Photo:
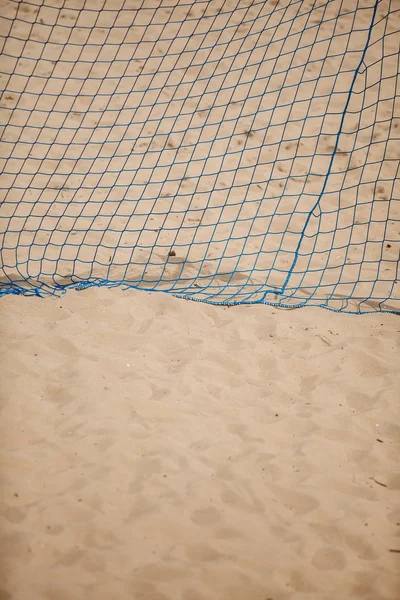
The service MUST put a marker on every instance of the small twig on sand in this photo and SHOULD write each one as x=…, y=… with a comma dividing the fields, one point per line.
x=378, y=482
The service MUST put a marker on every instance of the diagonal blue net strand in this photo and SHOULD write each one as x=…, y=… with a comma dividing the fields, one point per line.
x=225, y=151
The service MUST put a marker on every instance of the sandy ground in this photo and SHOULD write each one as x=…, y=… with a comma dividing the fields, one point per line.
x=159, y=449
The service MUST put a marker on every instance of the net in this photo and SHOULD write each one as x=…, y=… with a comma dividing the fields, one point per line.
x=229, y=151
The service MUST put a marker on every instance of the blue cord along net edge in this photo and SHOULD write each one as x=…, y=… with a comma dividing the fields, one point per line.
x=59, y=291
x=292, y=103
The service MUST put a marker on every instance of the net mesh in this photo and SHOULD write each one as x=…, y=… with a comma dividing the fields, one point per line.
x=229, y=151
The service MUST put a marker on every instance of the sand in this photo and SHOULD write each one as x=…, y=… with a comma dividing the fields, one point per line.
x=159, y=449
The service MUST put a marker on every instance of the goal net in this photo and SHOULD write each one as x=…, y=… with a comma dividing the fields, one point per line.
x=229, y=151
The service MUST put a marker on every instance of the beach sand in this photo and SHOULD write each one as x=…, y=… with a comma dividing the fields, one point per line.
x=159, y=449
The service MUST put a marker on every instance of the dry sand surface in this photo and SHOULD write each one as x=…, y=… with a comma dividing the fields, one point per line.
x=157, y=449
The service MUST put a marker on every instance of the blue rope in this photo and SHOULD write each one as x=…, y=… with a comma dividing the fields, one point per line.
x=230, y=152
